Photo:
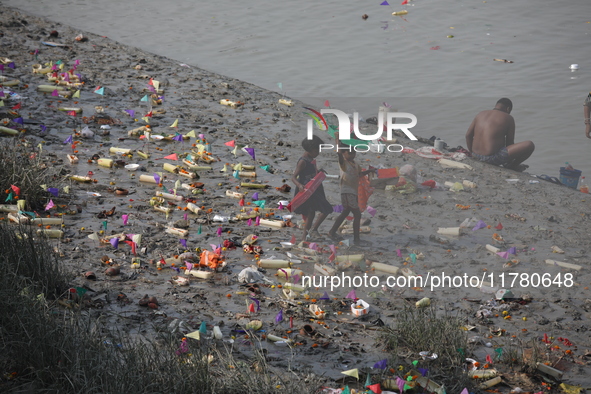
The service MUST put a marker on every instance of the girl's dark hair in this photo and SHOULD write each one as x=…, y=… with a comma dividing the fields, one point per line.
x=313, y=144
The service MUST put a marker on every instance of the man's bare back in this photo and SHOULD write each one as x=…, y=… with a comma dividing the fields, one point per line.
x=491, y=138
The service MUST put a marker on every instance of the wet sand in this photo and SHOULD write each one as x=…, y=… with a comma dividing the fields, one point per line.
x=534, y=216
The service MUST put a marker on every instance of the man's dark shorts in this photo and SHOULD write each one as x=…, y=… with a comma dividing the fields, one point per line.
x=499, y=158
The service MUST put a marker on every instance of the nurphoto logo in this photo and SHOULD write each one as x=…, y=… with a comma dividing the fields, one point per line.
x=344, y=128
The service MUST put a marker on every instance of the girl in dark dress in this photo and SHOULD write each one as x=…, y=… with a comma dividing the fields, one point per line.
x=304, y=172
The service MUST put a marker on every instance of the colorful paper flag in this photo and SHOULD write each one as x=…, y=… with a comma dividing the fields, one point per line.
x=231, y=144
x=69, y=140
x=279, y=317
x=352, y=295
x=49, y=205
x=191, y=134
x=76, y=94
x=175, y=123
x=382, y=364
x=53, y=190
x=250, y=151
x=178, y=137
x=17, y=190
x=171, y=157
x=354, y=373
x=479, y=225
x=100, y=90
x=145, y=98
x=115, y=242
x=183, y=242
x=125, y=218
x=385, y=3
x=18, y=106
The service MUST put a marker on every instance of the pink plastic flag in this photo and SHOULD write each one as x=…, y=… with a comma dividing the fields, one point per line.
x=499, y=226
x=332, y=248
x=352, y=295
x=213, y=247
x=371, y=211
x=231, y=144
x=125, y=218
x=398, y=252
x=185, y=216
x=55, y=93
x=173, y=156
x=504, y=255
x=400, y=383
x=249, y=223
x=313, y=246
x=489, y=359
x=189, y=266
x=257, y=222
x=465, y=391
x=49, y=205
x=327, y=104
x=219, y=232
x=201, y=136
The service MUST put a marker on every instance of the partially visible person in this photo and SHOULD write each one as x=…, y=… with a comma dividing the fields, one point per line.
x=304, y=172
x=587, y=112
x=491, y=138
x=350, y=174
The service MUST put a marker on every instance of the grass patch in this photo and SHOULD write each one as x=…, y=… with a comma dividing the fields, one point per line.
x=49, y=349
x=421, y=329
x=23, y=167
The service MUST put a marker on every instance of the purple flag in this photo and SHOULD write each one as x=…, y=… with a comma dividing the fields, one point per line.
x=325, y=296
x=152, y=89
x=18, y=120
x=131, y=112
x=54, y=190
x=423, y=371
x=250, y=151
x=183, y=242
x=385, y=3
x=12, y=65
x=279, y=317
x=157, y=178
x=178, y=137
x=67, y=77
x=114, y=242
x=382, y=364
x=479, y=225
x=1, y=67
x=338, y=208
x=43, y=128
x=512, y=250
x=69, y=140
x=255, y=196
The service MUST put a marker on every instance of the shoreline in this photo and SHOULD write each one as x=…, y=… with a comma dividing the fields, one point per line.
x=554, y=215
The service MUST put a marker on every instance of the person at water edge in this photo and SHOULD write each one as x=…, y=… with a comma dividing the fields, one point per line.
x=587, y=113
x=491, y=138
x=317, y=202
x=350, y=174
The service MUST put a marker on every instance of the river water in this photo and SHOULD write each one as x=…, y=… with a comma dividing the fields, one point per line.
x=435, y=62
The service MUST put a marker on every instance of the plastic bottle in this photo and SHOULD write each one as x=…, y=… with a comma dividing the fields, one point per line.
x=583, y=187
